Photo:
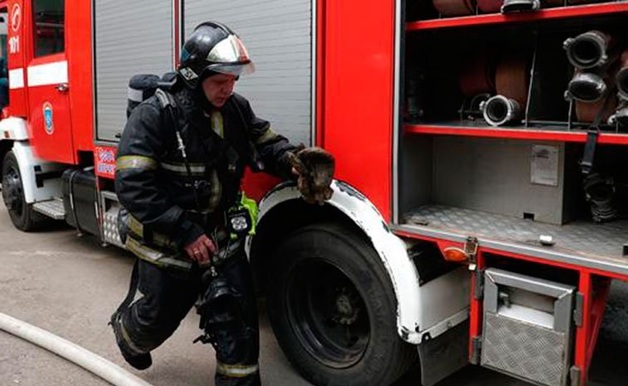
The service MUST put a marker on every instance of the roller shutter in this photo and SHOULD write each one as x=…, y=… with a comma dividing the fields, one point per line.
x=131, y=37
x=278, y=36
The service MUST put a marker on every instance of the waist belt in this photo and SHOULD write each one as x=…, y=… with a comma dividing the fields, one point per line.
x=207, y=220
x=161, y=250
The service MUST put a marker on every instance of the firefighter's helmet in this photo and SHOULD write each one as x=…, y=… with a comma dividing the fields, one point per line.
x=213, y=48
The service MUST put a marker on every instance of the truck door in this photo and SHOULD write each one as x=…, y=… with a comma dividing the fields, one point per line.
x=4, y=72
x=47, y=82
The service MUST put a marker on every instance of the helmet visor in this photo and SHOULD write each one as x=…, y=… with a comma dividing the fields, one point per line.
x=230, y=57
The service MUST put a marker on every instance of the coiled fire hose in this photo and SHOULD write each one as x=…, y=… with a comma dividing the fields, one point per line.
x=599, y=193
x=511, y=85
x=494, y=6
x=477, y=75
x=467, y=7
x=621, y=82
x=454, y=7
x=99, y=366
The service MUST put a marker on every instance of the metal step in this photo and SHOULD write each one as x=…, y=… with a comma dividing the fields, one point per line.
x=51, y=208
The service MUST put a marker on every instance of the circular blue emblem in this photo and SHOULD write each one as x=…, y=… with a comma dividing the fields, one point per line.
x=48, y=118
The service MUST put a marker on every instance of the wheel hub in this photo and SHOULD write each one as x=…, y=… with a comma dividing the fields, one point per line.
x=11, y=190
x=334, y=323
x=346, y=309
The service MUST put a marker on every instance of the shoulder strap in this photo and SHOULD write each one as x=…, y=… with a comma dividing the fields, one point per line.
x=168, y=102
x=165, y=98
x=256, y=163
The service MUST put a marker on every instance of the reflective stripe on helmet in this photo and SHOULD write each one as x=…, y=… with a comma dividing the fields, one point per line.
x=213, y=48
x=236, y=371
x=135, y=162
x=230, y=50
x=229, y=56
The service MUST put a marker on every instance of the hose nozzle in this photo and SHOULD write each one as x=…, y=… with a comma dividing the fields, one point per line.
x=511, y=6
x=499, y=110
x=586, y=87
x=588, y=50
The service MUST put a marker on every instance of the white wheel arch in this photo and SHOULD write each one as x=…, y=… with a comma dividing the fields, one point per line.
x=16, y=129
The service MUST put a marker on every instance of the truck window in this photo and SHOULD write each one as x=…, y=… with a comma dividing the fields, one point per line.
x=4, y=75
x=48, y=17
x=3, y=32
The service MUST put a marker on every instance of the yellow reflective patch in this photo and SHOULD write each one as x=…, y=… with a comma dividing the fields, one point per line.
x=135, y=162
x=268, y=135
x=196, y=169
x=153, y=256
x=160, y=240
x=136, y=227
x=236, y=371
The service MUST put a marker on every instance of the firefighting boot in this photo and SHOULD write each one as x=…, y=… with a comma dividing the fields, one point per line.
x=138, y=360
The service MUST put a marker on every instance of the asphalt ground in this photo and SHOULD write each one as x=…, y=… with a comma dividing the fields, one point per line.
x=69, y=286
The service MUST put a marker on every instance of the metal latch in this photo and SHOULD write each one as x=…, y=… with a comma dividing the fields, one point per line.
x=578, y=312
x=62, y=87
x=471, y=249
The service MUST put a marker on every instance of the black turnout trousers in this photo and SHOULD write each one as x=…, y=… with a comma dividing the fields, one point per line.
x=160, y=298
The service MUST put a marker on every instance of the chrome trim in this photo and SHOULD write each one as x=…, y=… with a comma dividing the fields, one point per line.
x=400, y=29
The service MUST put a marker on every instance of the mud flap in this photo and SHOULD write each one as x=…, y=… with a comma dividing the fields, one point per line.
x=444, y=355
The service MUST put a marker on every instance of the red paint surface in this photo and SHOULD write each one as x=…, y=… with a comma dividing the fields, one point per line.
x=357, y=101
x=524, y=134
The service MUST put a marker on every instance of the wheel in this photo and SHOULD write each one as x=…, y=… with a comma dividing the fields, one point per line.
x=22, y=215
x=333, y=310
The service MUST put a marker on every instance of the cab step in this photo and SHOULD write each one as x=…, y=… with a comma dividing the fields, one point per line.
x=51, y=208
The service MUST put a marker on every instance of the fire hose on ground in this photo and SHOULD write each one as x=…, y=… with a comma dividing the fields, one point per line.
x=97, y=365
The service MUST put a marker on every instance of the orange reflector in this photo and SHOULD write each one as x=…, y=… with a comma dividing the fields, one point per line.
x=455, y=254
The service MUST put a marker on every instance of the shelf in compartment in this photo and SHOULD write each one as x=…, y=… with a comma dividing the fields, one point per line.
x=543, y=14
x=548, y=133
x=578, y=243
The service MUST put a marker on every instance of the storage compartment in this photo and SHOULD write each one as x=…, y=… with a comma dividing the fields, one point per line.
x=524, y=179
x=512, y=77
x=516, y=182
x=79, y=200
x=527, y=328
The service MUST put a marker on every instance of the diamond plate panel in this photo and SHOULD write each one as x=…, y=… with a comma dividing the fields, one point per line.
x=577, y=238
x=111, y=234
x=531, y=352
x=51, y=208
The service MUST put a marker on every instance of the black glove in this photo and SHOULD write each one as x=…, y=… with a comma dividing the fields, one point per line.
x=315, y=168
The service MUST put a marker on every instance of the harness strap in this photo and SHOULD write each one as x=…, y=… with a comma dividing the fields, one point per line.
x=586, y=164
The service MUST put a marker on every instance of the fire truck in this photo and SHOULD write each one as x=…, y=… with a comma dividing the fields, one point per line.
x=478, y=207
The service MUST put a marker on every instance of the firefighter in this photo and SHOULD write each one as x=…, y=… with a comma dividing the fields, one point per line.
x=179, y=164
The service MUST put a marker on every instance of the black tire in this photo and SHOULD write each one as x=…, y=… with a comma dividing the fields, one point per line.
x=333, y=310
x=22, y=214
